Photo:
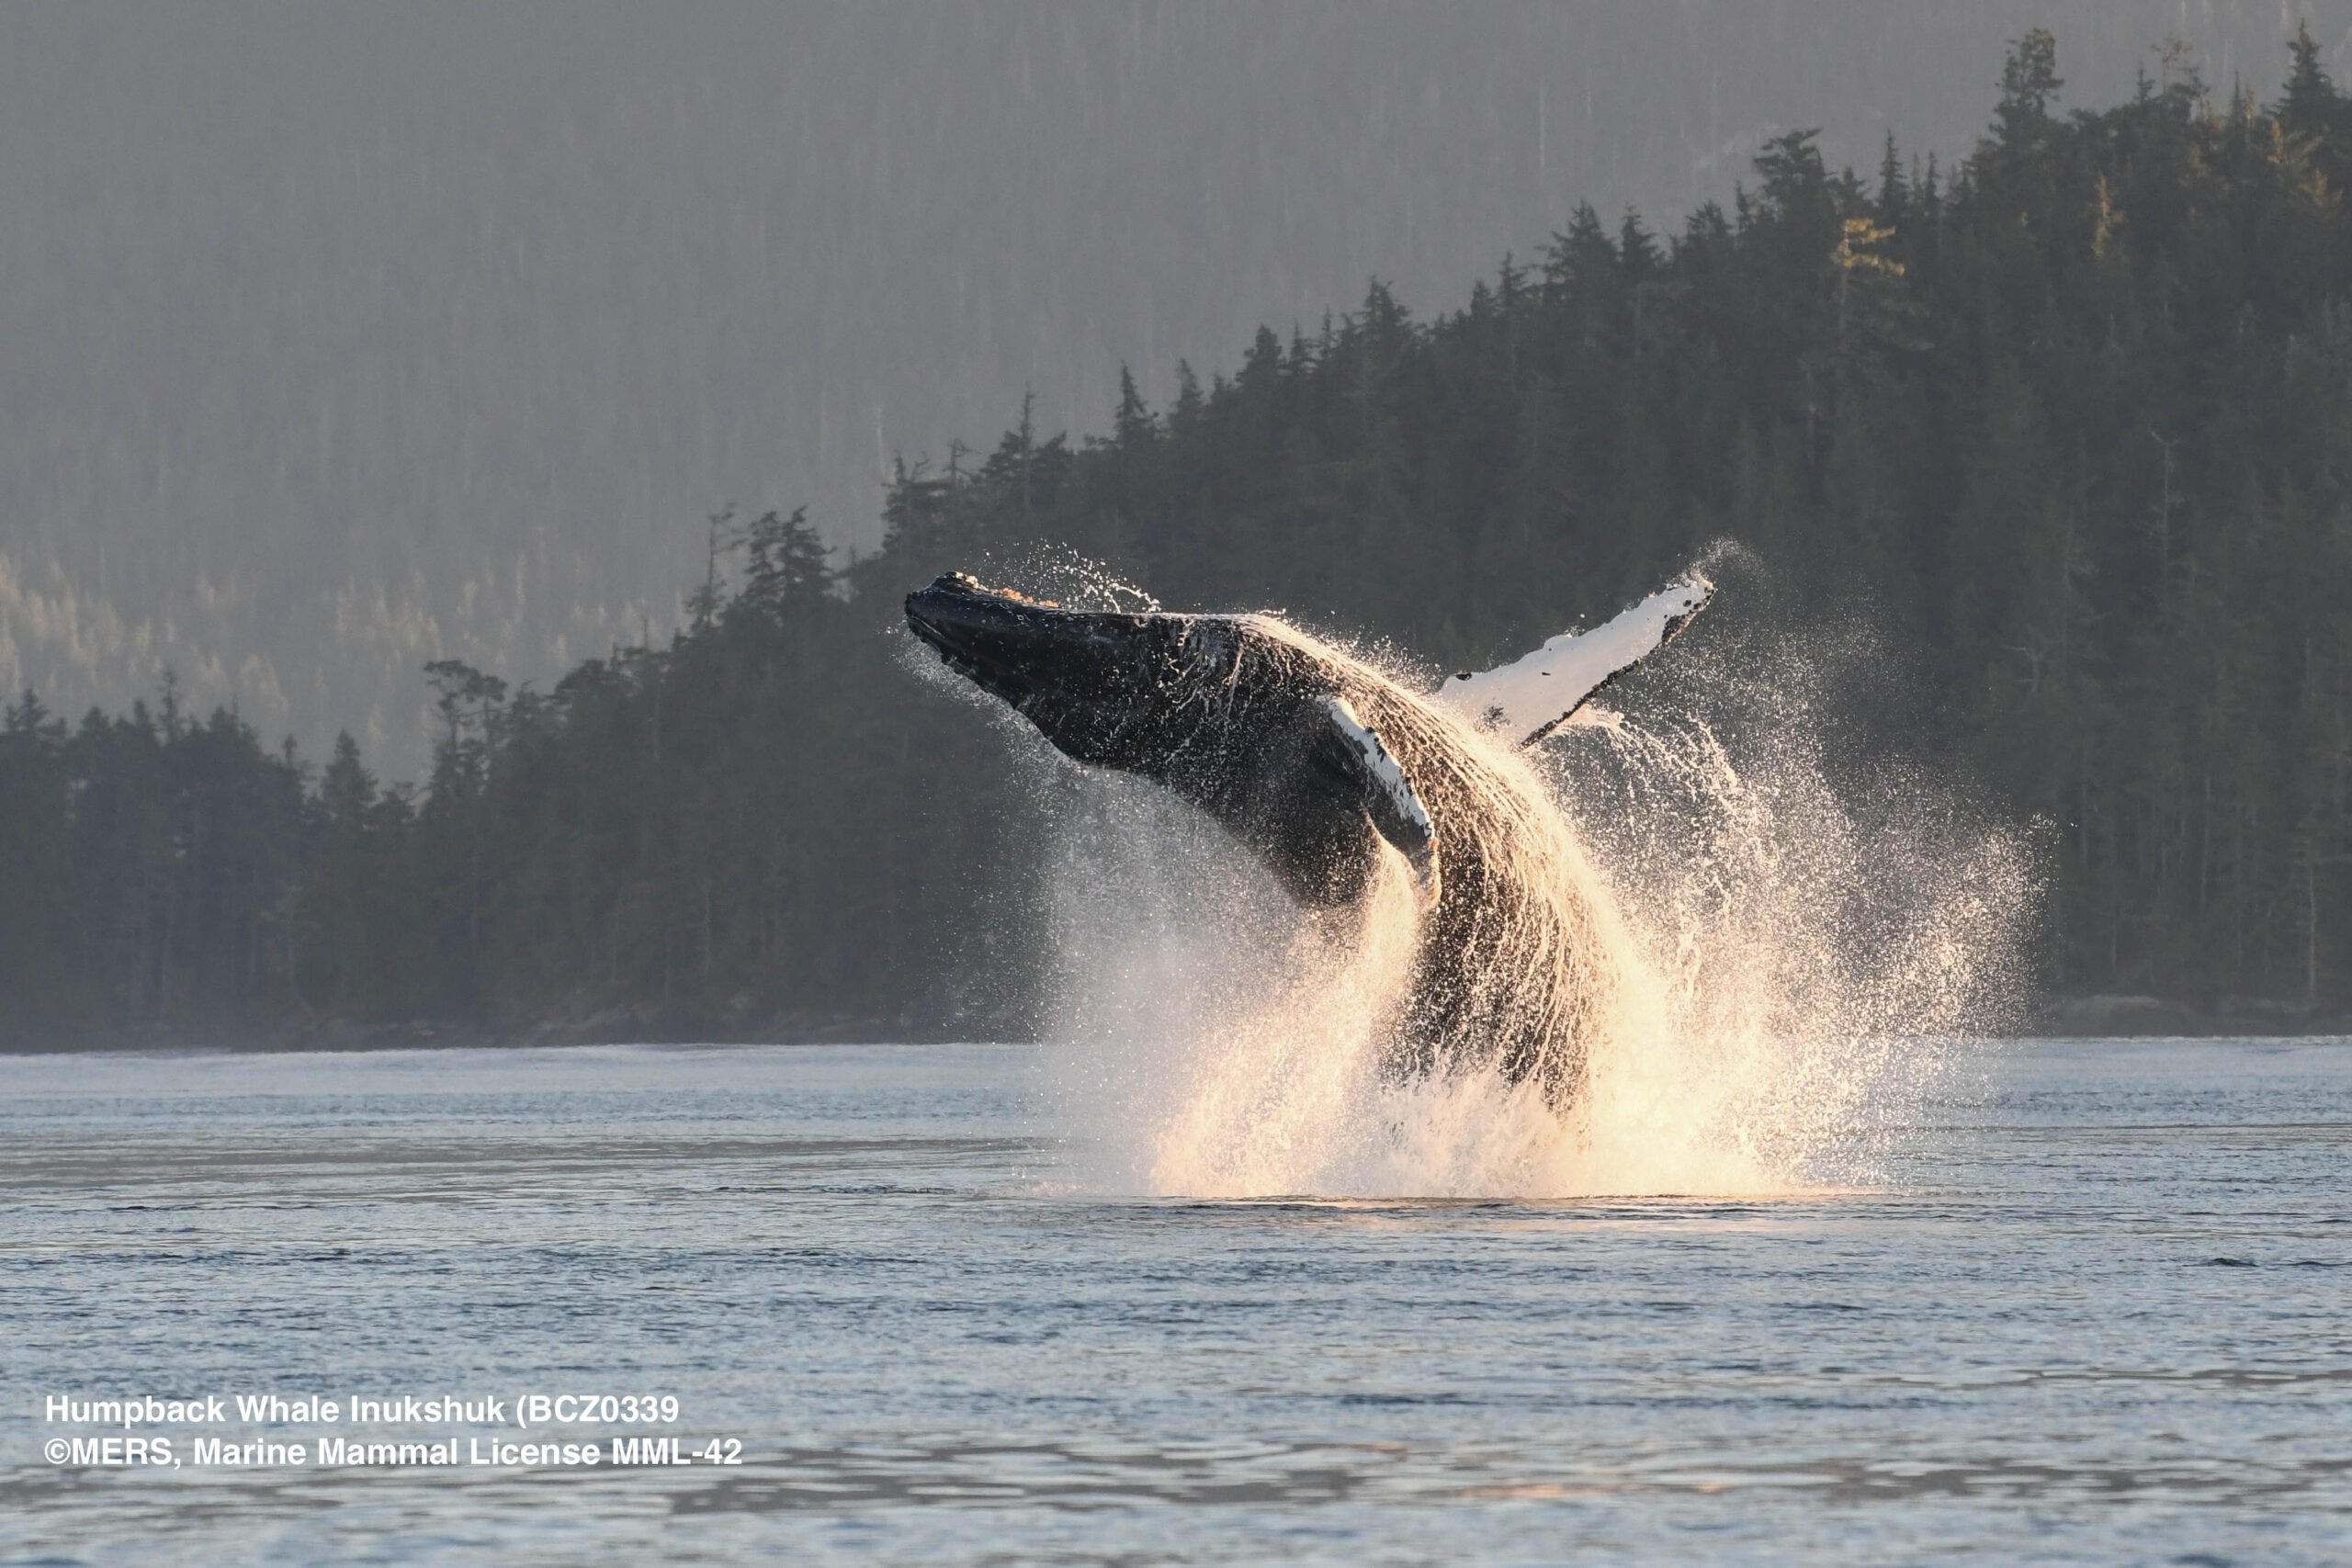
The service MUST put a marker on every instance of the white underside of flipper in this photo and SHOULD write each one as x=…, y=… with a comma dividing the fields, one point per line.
x=1530, y=697
x=1397, y=812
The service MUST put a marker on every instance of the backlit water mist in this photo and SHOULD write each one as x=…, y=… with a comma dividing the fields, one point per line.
x=1776, y=962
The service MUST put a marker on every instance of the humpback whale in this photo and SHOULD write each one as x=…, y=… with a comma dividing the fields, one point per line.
x=1323, y=766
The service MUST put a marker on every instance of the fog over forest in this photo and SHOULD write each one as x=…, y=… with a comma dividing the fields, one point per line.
x=344, y=338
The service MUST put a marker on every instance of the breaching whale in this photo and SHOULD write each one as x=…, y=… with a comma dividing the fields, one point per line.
x=1316, y=761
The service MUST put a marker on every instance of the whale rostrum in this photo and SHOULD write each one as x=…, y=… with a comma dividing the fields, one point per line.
x=1321, y=765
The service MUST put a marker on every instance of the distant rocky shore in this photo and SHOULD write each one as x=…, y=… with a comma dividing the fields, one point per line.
x=2083, y=1016
x=2097, y=1017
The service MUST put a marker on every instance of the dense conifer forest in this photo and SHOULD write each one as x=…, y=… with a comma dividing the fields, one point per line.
x=2072, y=421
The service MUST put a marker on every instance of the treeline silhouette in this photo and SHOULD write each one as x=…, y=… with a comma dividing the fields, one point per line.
x=2073, y=418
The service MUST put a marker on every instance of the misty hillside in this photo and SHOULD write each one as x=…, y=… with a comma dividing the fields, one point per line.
x=344, y=338
x=2070, y=420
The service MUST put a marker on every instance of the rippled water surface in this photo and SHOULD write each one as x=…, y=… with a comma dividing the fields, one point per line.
x=2099, y=1310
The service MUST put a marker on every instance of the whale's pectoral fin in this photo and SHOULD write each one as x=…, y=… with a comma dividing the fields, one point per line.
x=1356, y=751
x=1530, y=697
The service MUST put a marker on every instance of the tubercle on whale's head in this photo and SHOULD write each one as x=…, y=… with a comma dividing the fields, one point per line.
x=1106, y=687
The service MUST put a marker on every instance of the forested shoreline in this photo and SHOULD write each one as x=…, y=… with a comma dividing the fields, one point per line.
x=2073, y=420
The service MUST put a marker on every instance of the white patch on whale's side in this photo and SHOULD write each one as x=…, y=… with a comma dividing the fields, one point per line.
x=1417, y=839
x=1533, y=696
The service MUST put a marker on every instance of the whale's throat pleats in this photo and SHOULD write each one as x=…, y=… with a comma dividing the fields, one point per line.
x=1314, y=800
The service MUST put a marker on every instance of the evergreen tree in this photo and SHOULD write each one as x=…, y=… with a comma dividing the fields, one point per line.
x=2073, y=417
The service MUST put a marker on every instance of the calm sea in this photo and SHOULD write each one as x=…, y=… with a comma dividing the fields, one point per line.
x=2098, y=1310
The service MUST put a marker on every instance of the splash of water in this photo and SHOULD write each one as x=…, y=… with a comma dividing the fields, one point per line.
x=1777, y=965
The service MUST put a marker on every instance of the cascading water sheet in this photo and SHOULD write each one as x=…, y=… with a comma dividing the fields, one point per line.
x=1778, y=961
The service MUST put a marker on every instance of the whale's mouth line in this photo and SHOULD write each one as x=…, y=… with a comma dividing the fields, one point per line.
x=976, y=630
x=1065, y=670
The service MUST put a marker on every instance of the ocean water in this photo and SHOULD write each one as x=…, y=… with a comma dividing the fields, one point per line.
x=2096, y=1306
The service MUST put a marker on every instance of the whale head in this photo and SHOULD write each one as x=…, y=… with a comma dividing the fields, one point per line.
x=1247, y=727
x=1102, y=686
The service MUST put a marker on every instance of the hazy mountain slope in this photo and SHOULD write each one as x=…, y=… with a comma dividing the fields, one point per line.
x=339, y=339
